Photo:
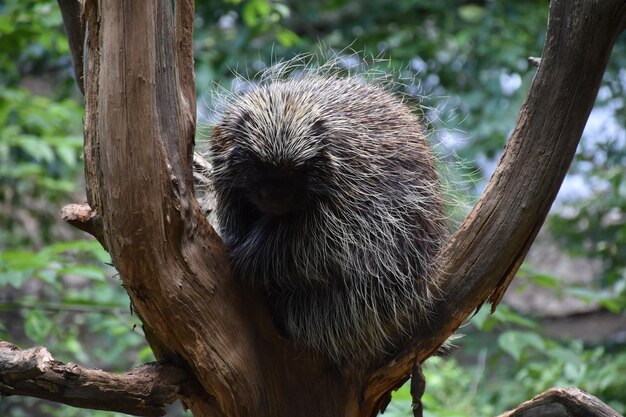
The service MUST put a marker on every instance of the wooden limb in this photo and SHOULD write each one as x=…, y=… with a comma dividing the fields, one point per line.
x=482, y=257
x=83, y=217
x=72, y=13
x=185, y=18
x=138, y=127
x=144, y=391
x=563, y=402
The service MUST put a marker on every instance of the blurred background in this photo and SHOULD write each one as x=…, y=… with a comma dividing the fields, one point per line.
x=463, y=65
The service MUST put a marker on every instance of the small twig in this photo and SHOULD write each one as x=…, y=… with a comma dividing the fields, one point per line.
x=534, y=61
x=144, y=391
x=418, y=386
x=83, y=217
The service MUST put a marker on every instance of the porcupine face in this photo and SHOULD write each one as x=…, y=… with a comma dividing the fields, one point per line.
x=270, y=174
x=266, y=166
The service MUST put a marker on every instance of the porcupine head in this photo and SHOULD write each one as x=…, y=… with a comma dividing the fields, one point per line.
x=328, y=200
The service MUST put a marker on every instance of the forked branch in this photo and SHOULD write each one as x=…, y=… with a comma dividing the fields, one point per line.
x=482, y=257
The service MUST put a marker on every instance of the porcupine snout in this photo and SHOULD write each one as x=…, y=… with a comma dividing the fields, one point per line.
x=278, y=194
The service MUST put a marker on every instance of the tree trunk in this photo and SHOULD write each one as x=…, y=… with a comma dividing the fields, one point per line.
x=139, y=130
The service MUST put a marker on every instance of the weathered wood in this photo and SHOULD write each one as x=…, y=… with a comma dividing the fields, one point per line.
x=563, y=402
x=173, y=264
x=144, y=391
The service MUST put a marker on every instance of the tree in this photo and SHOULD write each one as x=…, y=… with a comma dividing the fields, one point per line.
x=219, y=350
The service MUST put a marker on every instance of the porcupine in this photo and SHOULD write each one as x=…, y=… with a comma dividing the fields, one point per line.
x=328, y=200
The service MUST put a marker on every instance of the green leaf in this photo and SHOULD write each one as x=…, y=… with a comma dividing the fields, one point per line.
x=146, y=355
x=562, y=354
x=56, y=185
x=13, y=278
x=37, y=325
x=36, y=148
x=72, y=345
x=254, y=11
x=545, y=280
x=48, y=276
x=614, y=305
x=23, y=260
x=514, y=342
x=505, y=314
x=471, y=12
x=287, y=38
x=67, y=154
x=87, y=271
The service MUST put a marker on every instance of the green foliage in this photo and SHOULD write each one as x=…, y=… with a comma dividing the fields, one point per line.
x=40, y=138
x=519, y=365
x=596, y=224
x=77, y=310
x=30, y=39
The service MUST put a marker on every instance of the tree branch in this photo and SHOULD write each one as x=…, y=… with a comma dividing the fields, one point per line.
x=563, y=402
x=72, y=12
x=143, y=391
x=185, y=18
x=482, y=257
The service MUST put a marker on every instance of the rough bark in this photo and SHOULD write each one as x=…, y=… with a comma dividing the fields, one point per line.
x=139, y=123
x=139, y=126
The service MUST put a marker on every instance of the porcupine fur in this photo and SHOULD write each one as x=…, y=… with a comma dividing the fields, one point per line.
x=327, y=198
